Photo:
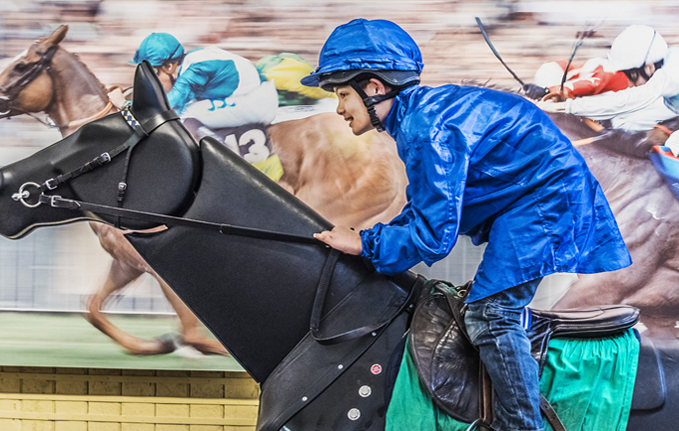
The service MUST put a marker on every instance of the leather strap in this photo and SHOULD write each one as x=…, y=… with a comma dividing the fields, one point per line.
x=663, y=128
x=551, y=415
x=322, y=292
x=486, y=394
x=226, y=229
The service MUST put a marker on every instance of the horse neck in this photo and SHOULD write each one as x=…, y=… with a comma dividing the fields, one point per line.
x=77, y=94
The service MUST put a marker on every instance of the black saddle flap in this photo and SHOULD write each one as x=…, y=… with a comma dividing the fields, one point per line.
x=649, y=388
x=446, y=361
x=370, y=306
x=585, y=322
x=577, y=323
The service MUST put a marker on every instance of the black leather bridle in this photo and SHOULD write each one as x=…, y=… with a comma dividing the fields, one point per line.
x=12, y=90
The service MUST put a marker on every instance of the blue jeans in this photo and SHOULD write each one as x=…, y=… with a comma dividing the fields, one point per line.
x=494, y=327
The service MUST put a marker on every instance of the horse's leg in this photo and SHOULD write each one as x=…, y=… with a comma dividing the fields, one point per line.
x=192, y=329
x=127, y=266
x=119, y=276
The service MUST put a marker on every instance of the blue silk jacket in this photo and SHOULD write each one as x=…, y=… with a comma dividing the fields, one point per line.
x=492, y=166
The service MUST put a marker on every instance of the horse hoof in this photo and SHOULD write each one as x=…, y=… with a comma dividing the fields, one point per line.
x=169, y=342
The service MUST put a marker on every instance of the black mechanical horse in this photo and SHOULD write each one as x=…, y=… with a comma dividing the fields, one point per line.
x=314, y=327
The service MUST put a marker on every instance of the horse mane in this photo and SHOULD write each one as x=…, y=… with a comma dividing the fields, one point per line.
x=487, y=84
x=83, y=68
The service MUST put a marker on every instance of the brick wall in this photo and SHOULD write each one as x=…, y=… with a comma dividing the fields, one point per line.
x=72, y=399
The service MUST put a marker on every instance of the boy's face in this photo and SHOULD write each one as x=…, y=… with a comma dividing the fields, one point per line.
x=353, y=110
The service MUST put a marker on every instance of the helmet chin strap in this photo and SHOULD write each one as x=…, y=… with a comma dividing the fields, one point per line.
x=371, y=101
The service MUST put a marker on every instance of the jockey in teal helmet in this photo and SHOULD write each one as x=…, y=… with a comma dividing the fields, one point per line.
x=217, y=87
x=481, y=163
x=159, y=49
x=352, y=53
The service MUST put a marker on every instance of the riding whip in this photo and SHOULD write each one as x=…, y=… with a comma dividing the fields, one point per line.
x=580, y=39
x=497, y=54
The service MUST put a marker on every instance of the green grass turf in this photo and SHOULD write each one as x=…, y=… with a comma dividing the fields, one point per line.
x=68, y=340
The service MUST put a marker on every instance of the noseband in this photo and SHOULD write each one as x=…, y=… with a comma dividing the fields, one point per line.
x=15, y=88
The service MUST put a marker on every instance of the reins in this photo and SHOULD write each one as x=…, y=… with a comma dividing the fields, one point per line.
x=141, y=130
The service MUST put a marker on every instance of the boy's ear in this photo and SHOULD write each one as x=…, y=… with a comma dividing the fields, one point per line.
x=375, y=87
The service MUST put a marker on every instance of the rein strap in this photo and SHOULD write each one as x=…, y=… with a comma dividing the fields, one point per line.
x=225, y=229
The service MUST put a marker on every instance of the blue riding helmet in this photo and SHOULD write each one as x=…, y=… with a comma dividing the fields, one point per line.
x=157, y=49
x=379, y=47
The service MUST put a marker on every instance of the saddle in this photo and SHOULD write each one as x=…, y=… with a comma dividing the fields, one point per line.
x=448, y=364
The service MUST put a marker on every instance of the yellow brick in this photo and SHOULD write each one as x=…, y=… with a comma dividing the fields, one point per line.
x=99, y=408
x=71, y=387
x=242, y=389
x=97, y=387
x=70, y=407
x=68, y=384
x=36, y=386
x=10, y=385
x=9, y=406
x=208, y=374
x=207, y=411
x=241, y=412
x=138, y=389
x=70, y=370
x=207, y=390
x=172, y=389
x=70, y=426
x=137, y=427
x=10, y=424
x=206, y=428
x=172, y=410
x=238, y=428
x=37, y=406
x=104, y=388
x=138, y=409
x=164, y=427
x=103, y=426
x=27, y=425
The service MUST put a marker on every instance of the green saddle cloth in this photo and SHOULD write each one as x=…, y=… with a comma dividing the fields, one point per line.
x=589, y=383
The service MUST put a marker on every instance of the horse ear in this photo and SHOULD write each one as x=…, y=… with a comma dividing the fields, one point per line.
x=58, y=35
x=149, y=96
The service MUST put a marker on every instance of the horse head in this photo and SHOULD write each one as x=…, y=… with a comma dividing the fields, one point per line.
x=31, y=84
x=25, y=85
x=91, y=164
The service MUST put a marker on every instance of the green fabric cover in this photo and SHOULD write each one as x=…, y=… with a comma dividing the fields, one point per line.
x=589, y=382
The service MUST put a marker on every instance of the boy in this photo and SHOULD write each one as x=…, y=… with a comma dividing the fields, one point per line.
x=481, y=163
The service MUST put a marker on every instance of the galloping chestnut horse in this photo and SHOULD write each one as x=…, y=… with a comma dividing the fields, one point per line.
x=355, y=181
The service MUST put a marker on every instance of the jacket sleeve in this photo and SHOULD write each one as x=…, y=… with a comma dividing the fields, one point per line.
x=607, y=105
x=597, y=82
x=183, y=90
x=427, y=228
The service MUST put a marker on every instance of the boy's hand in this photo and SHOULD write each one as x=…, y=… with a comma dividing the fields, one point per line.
x=342, y=239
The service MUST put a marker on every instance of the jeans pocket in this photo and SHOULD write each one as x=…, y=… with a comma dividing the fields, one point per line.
x=494, y=311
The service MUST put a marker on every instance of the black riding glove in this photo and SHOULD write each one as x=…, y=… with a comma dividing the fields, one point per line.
x=535, y=92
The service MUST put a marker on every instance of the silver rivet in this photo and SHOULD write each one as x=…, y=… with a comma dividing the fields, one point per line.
x=365, y=391
x=340, y=366
x=354, y=414
x=304, y=398
x=374, y=333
